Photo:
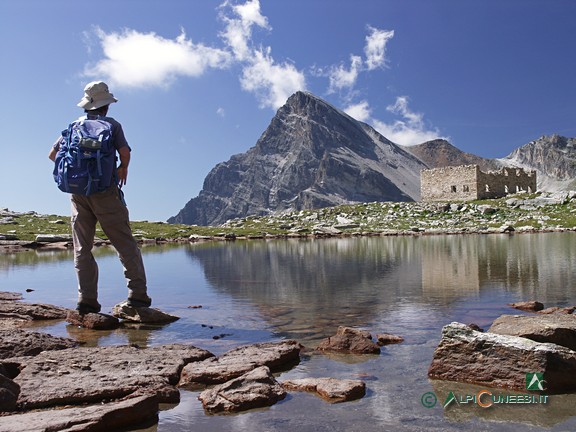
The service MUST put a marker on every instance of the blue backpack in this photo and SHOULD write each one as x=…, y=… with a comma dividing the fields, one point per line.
x=86, y=161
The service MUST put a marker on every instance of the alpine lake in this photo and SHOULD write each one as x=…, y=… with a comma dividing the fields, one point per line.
x=240, y=292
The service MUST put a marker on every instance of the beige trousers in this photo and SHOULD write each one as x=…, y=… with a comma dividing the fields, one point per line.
x=108, y=209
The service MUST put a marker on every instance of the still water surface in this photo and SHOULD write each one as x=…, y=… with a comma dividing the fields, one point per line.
x=254, y=291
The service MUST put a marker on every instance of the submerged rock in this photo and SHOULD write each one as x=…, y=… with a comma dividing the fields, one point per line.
x=350, y=340
x=558, y=310
x=495, y=360
x=555, y=328
x=529, y=306
x=215, y=370
x=255, y=389
x=142, y=314
x=101, y=417
x=331, y=389
x=387, y=339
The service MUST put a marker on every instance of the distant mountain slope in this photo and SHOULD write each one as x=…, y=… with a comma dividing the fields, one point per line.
x=440, y=153
x=554, y=159
x=311, y=155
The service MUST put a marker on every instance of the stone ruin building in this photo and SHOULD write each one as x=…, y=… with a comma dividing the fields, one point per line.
x=467, y=182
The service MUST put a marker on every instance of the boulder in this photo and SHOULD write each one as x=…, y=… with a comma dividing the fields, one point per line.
x=494, y=360
x=142, y=314
x=331, y=389
x=554, y=328
x=94, y=321
x=255, y=389
x=274, y=355
x=387, y=338
x=32, y=311
x=87, y=375
x=350, y=340
x=529, y=306
x=17, y=342
x=142, y=410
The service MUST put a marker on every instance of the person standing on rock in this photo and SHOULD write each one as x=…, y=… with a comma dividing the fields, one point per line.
x=108, y=208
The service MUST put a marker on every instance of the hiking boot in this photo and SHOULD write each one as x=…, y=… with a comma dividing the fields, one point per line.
x=84, y=308
x=136, y=303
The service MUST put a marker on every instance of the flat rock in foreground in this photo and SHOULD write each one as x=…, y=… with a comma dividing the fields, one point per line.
x=17, y=343
x=101, y=417
x=331, y=389
x=274, y=355
x=255, y=389
x=493, y=360
x=31, y=310
x=87, y=375
x=559, y=329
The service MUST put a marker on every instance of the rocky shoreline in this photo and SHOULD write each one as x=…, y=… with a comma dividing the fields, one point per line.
x=56, y=384
x=515, y=214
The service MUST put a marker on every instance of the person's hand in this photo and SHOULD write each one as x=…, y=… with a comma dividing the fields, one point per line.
x=122, y=175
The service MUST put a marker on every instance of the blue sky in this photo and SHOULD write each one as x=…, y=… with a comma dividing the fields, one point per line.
x=199, y=81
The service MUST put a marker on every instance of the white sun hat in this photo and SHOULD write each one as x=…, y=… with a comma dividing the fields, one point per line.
x=96, y=95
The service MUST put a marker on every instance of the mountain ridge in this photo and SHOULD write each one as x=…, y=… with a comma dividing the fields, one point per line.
x=314, y=155
x=311, y=155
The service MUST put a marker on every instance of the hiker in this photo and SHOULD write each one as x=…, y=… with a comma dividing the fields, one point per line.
x=91, y=205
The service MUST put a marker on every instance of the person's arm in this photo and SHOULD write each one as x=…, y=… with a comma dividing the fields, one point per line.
x=124, y=153
x=54, y=150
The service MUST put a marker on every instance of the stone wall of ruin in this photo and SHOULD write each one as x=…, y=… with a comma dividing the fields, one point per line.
x=449, y=183
x=497, y=184
x=467, y=182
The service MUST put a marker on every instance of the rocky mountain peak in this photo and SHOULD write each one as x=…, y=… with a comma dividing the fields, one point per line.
x=552, y=156
x=312, y=155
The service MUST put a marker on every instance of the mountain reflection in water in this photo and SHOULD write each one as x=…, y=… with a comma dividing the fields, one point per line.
x=254, y=291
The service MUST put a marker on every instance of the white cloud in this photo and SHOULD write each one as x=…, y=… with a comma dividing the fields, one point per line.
x=375, y=51
x=134, y=59
x=410, y=129
x=221, y=112
x=375, y=48
x=272, y=83
x=360, y=111
x=238, y=31
x=345, y=78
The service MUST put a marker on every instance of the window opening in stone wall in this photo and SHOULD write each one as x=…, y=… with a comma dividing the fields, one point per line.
x=505, y=188
x=465, y=188
x=487, y=188
x=453, y=188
